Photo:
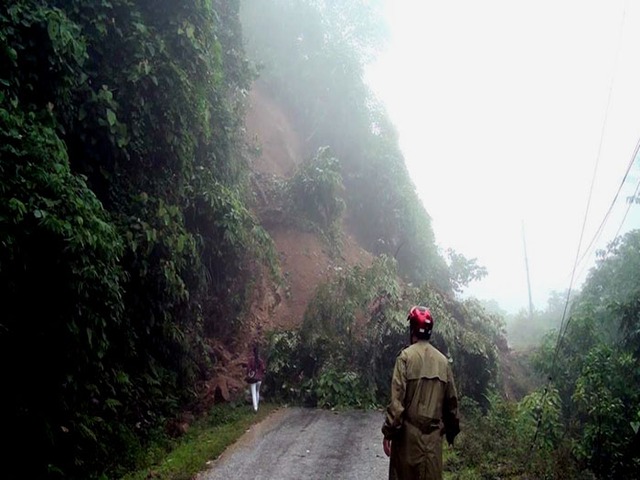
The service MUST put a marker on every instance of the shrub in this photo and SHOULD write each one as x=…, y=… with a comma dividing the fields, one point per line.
x=315, y=192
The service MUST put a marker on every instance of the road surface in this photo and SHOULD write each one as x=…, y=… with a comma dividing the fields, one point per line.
x=299, y=443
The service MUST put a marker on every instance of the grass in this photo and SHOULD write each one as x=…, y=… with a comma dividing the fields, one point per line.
x=204, y=441
x=452, y=467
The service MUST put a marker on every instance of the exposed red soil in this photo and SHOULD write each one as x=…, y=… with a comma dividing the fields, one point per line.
x=270, y=130
x=305, y=259
x=306, y=262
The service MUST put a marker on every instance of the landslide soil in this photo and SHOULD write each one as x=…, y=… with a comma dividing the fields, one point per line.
x=305, y=259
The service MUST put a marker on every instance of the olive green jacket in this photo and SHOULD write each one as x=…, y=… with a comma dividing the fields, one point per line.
x=423, y=408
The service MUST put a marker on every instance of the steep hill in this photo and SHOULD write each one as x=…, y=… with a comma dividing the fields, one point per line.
x=304, y=257
x=136, y=264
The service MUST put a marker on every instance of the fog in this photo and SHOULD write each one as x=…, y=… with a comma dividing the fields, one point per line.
x=517, y=117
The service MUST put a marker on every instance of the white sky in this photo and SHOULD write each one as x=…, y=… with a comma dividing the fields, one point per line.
x=500, y=105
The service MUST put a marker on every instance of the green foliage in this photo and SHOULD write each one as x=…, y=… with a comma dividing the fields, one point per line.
x=287, y=362
x=315, y=192
x=540, y=417
x=227, y=236
x=463, y=271
x=614, y=287
x=314, y=62
x=62, y=284
x=341, y=355
x=355, y=327
x=594, y=364
x=339, y=388
x=470, y=336
x=606, y=404
x=125, y=235
x=353, y=324
x=498, y=443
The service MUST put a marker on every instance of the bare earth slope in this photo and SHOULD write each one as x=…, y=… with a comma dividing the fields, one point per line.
x=304, y=258
x=293, y=443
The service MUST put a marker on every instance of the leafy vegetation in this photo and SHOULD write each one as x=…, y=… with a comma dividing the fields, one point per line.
x=596, y=365
x=125, y=235
x=333, y=359
x=583, y=423
x=463, y=271
x=344, y=351
x=128, y=242
x=315, y=193
x=497, y=443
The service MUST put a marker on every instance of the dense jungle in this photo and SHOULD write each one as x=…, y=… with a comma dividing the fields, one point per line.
x=178, y=179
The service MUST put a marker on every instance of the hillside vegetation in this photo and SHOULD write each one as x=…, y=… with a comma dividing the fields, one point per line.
x=140, y=240
x=126, y=239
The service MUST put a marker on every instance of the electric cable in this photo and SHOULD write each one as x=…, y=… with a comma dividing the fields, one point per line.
x=615, y=199
x=630, y=202
x=563, y=328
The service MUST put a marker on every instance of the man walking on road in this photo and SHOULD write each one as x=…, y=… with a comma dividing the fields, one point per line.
x=423, y=407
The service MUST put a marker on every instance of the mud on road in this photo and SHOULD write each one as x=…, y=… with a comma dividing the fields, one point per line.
x=298, y=443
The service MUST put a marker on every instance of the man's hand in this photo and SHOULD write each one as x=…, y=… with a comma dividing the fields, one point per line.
x=386, y=445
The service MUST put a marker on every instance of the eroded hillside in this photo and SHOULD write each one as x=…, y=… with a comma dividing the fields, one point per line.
x=305, y=258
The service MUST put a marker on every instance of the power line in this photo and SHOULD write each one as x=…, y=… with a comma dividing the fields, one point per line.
x=635, y=195
x=615, y=199
x=626, y=212
x=562, y=331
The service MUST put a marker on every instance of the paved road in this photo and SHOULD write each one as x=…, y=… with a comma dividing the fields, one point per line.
x=298, y=443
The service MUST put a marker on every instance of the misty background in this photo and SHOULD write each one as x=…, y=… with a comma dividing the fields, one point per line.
x=506, y=113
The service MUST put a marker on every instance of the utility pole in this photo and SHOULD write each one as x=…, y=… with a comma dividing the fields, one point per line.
x=526, y=264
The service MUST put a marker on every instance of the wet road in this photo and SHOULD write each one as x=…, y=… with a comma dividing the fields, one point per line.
x=297, y=443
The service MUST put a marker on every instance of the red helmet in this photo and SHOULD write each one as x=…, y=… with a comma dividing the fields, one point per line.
x=421, y=321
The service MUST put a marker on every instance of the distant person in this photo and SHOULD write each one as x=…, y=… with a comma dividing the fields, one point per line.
x=255, y=374
x=423, y=407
